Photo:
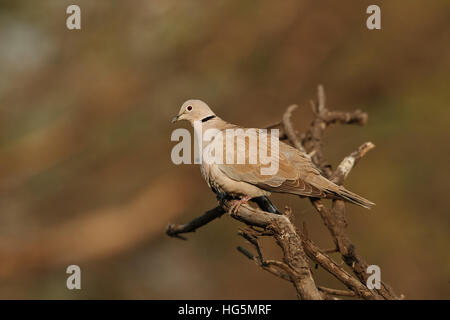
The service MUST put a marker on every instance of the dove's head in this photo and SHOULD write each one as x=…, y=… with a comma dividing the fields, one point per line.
x=194, y=110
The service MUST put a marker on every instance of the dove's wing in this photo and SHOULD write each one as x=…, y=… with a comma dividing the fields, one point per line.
x=296, y=173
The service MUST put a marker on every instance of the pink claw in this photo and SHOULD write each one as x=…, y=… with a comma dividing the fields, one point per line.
x=237, y=203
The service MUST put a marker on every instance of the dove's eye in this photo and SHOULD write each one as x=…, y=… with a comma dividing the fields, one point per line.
x=189, y=108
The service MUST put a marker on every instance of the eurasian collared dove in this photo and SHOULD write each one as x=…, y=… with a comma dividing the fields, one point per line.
x=296, y=173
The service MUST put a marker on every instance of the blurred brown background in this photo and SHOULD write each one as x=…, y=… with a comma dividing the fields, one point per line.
x=85, y=170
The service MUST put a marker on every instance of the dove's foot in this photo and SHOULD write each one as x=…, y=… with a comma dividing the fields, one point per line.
x=237, y=203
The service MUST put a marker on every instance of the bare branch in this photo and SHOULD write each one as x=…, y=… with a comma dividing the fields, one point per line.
x=349, y=162
x=321, y=100
x=290, y=242
x=312, y=140
x=355, y=117
x=337, y=292
x=335, y=218
x=289, y=128
x=349, y=281
x=277, y=268
x=174, y=230
x=268, y=265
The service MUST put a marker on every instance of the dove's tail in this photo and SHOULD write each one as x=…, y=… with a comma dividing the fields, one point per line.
x=353, y=198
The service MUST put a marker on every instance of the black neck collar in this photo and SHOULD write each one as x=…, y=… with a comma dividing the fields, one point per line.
x=208, y=118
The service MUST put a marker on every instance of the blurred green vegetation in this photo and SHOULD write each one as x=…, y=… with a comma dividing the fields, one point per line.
x=85, y=170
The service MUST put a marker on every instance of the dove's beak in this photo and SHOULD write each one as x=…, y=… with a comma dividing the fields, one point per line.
x=175, y=119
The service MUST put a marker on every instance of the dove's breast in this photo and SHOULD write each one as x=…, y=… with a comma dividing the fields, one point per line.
x=222, y=184
x=218, y=181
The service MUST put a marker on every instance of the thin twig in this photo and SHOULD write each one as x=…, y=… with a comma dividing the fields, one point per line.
x=350, y=162
x=175, y=230
x=337, y=292
x=289, y=128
